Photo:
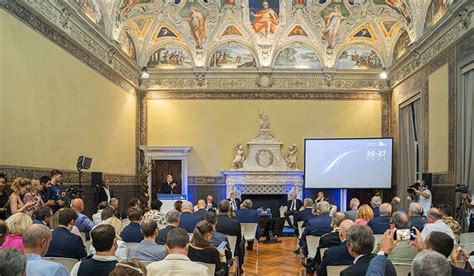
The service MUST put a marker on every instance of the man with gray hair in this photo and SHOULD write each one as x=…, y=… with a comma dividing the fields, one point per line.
x=430, y=263
x=12, y=262
x=435, y=223
x=317, y=226
x=247, y=215
x=415, y=216
x=360, y=240
x=403, y=252
x=305, y=214
x=36, y=240
x=172, y=221
x=188, y=220
x=381, y=223
x=375, y=203
x=353, y=205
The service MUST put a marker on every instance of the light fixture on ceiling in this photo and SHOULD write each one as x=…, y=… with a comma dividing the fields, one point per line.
x=383, y=74
x=144, y=74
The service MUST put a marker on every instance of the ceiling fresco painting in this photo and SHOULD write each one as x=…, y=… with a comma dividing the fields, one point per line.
x=183, y=34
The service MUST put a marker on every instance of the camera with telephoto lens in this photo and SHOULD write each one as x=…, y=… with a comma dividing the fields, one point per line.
x=461, y=188
x=73, y=192
x=415, y=186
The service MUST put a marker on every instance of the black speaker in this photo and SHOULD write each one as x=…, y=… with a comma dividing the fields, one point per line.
x=96, y=179
x=427, y=177
x=83, y=162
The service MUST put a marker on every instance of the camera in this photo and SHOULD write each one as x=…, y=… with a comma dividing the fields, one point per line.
x=73, y=192
x=461, y=188
x=415, y=186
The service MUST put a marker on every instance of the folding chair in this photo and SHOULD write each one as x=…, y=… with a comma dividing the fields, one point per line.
x=249, y=231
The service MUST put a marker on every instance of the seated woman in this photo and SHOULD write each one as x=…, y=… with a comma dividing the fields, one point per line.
x=364, y=215
x=15, y=202
x=33, y=195
x=17, y=225
x=201, y=250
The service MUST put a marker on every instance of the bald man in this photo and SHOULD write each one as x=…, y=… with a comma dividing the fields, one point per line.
x=188, y=220
x=201, y=208
x=338, y=255
x=83, y=223
x=36, y=240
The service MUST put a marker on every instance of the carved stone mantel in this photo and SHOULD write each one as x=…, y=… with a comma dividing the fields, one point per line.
x=168, y=153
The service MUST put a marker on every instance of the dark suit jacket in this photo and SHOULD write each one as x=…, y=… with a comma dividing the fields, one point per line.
x=376, y=212
x=166, y=189
x=338, y=255
x=305, y=215
x=132, y=233
x=214, y=206
x=317, y=226
x=102, y=196
x=327, y=240
x=379, y=224
x=247, y=215
x=362, y=264
x=200, y=212
x=456, y=271
x=188, y=221
x=162, y=233
x=418, y=222
x=237, y=202
x=66, y=244
x=229, y=226
x=299, y=204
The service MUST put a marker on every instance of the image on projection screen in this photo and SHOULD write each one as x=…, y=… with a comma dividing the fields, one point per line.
x=348, y=163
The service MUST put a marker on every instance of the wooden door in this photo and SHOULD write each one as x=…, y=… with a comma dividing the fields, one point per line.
x=161, y=168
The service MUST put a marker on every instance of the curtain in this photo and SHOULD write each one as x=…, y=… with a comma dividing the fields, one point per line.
x=466, y=129
x=418, y=115
x=407, y=150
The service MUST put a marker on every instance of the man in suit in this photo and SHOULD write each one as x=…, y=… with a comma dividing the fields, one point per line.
x=247, y=215
x=188, y=220
x=320, y=197
x=43, y=216
x=375, y=203
x=172, y=221
x=414, y=215
x=353, y=205
x=234, y=201
x=217, y=237
x=305, y=214
x=230, y=226
x=169, y=186
x=201, y=208
x=381, y=223
x=133, y=232
x=317, y=226
x=292, y=208
x=105, y=192
x=337, y=255
x=83, y=223
x=64, y=243
x=210, y=204
x=360, y=240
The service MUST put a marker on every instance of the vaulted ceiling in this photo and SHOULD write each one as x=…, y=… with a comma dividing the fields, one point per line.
x=276, y=34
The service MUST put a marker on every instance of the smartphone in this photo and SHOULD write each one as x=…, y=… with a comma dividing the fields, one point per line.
x=222, y=245
x=404, y=234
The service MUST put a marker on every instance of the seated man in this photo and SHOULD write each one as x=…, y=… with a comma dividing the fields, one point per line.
x=210, y=204
x=234, y=201
x=381, y=223
x=64, y=243
x=177, y=261
x=317, y=226
x=83, y=223
x=414, y=215
x=36, y=240
x=172, y=221
x=201, y=208
x=435, y=223
x=305, y=214
x=353, y=205
x=188, y=220
x=337, y=255
x=332, y=238
x=230, y=226
x=375, y=203
x=43, y=216
x=217, y=238
x=360, y=240
x=147, y=250
x=292, y=208
x=445, y=210
x=403, y=252
x=96, y=218
x=104, y=260
x=132, y=232
x=247, y=215
x=12, y=262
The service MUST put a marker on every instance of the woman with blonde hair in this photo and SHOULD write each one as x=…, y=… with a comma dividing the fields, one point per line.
x=15, y=202
x=33, y=194
x=17, y=225
x=364, y=215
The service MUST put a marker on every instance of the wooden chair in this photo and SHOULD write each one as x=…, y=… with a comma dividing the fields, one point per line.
x=249, y=231
x=211, y=268
x=336, y=269
x=466, y=238
x=67, y=262
x=232, y=244
x=312, y=243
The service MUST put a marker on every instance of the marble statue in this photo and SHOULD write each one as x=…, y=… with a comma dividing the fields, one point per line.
x=291, y=157
x=264, y=122
x=239, y=157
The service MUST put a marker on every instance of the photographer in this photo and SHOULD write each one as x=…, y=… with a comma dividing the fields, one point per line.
x=424, y=195
x=468, y=204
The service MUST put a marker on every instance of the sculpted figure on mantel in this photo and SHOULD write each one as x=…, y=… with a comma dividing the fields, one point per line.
x=239, y=157
x=291, y=157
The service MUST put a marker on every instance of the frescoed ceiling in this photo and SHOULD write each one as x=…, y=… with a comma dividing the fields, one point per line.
x=272, y=34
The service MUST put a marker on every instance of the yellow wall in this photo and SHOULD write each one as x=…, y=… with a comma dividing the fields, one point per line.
x=438, y=120
x=54, y=108
x=213, y=127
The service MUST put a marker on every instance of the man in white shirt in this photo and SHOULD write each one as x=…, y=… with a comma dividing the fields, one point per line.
x=434, y=223
x=177, y=261
x=424, y=196
x=97, y=217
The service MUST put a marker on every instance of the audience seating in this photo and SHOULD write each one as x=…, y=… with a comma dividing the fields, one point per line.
x=336, y=269
x=249, y=231
x=67, y=262
x=131, y=244
x=321, y=252
x=190, y=236
x=312, y=242
x=211, y=268
x=468, y=247
x=402, y=269
x=377, y=241
x=233, y=243
x=466, y=238
x=88, y=246
x=83, y=237
x=300, y=232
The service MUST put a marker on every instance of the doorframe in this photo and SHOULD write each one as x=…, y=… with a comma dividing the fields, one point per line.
x=153, y=153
